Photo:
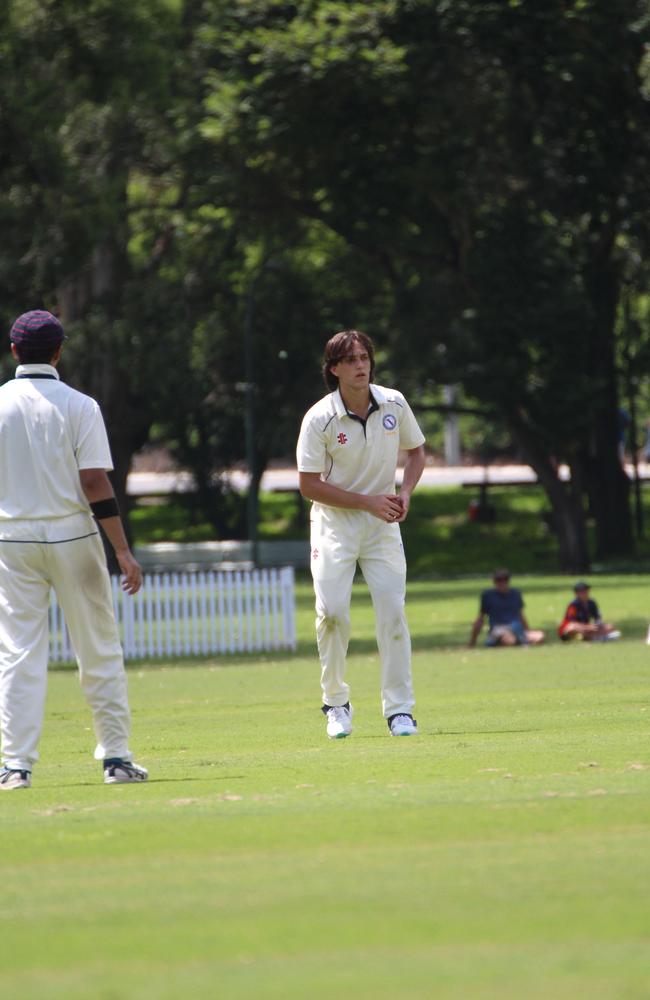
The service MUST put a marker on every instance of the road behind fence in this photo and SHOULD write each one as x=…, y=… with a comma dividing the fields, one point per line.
x=195, y=614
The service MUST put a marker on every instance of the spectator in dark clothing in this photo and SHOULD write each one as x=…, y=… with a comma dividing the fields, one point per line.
x=503, y=606
x=582, y=619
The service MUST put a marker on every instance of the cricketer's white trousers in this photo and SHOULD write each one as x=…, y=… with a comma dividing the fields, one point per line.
x=340, y=539
x=76, y=569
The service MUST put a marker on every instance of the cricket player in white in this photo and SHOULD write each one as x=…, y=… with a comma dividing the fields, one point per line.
x=347, y=460
x=54, y=454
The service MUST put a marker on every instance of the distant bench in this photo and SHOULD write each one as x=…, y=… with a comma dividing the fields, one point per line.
x=478, y=484
x=482, y=512
x=160, y=557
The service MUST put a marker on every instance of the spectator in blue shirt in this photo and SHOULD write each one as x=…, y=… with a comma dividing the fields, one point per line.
x=503, y=606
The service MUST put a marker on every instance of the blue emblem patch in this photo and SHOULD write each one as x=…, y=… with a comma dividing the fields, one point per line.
x=390, y=422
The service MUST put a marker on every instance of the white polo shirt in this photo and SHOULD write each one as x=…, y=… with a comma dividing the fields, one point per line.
x=358, y=458
x=48, y=432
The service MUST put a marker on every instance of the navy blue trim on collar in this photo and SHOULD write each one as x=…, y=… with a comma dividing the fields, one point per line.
x=374, y=405
x=38, y=375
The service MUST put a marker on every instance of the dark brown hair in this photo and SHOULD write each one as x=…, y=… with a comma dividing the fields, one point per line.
x=338, y=346
x=36, y=354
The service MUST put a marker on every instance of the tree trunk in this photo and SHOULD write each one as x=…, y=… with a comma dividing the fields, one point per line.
x=609, y=486
x=609, y=493
x=565, y=498
x=97, y=368
x=254, y=483
x=569, y=520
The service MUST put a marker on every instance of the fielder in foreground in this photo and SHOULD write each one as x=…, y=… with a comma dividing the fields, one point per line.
x=54, y=454
x=347, y=460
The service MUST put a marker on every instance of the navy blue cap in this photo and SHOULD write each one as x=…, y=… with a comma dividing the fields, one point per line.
x=37, y=328
x=581, y=585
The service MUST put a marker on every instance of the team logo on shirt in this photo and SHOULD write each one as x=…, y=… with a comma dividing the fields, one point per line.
x=314, y=553
x=342, y=438
x=389, y=421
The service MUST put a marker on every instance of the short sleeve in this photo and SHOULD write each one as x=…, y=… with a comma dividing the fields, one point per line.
x=410, y=435
x=310, y=450
x=92, y=450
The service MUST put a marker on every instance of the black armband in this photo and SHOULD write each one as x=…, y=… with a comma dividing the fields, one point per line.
x=102, y=509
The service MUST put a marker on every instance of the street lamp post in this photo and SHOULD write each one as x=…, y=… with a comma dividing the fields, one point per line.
x=250, y=401
x=249, y=417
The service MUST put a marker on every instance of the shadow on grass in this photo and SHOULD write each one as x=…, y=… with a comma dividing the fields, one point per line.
x=207, y=778
x=482, y=732
x=368, y=646
x=150, y=781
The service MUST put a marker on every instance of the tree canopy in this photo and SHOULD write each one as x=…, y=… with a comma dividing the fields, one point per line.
x=467, y=181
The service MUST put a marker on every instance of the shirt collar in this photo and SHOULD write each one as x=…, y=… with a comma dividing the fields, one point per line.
x=376, y=396
x=27, y=370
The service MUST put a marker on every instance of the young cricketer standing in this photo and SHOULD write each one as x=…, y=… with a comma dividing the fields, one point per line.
x=347, y=459
x=54, y=454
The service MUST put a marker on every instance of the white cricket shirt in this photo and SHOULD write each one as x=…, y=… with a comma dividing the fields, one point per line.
x=358, y=458
x=48, y=432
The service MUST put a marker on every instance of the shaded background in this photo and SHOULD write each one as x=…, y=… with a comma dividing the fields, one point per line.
x=206, y=191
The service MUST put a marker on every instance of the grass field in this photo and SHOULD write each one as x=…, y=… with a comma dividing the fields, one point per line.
x=503, y=853
x=439, y=539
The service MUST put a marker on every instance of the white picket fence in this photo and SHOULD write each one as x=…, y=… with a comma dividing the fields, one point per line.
x=194, y=614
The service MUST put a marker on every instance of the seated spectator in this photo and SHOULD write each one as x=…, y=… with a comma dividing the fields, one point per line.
x=582, y=619
x=504, y=607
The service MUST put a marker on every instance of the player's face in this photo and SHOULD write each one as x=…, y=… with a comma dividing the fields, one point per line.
x=353, y=371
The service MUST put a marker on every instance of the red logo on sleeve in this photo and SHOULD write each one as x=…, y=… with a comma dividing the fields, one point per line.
x=341, y=438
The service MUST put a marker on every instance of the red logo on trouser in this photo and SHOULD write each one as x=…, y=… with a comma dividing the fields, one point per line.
x=314, y=554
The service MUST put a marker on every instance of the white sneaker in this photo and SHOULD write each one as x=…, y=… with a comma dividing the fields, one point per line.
x=339, y=722
x=403, y=725
x=614, y=634
x=11, y=777
x=123, y=772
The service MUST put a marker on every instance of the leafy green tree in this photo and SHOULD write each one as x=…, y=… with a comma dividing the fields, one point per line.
x=435, y=138
x=85, y=86
x=188, y=180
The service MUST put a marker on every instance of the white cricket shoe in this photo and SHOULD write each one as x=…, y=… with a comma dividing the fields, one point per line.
x=611, y=636
x=123, y=772
x=403, y=725
x=11, y=777
x=339, y=721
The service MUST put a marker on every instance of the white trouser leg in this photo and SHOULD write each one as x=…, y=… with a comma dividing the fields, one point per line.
x=333, y=564
x=82, y=584
x=384, y=569
x=24, y=639
x=333, y=635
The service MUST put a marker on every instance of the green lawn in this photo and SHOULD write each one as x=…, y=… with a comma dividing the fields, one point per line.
x=439, y=538
x=503, y=853
x=440, y=611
